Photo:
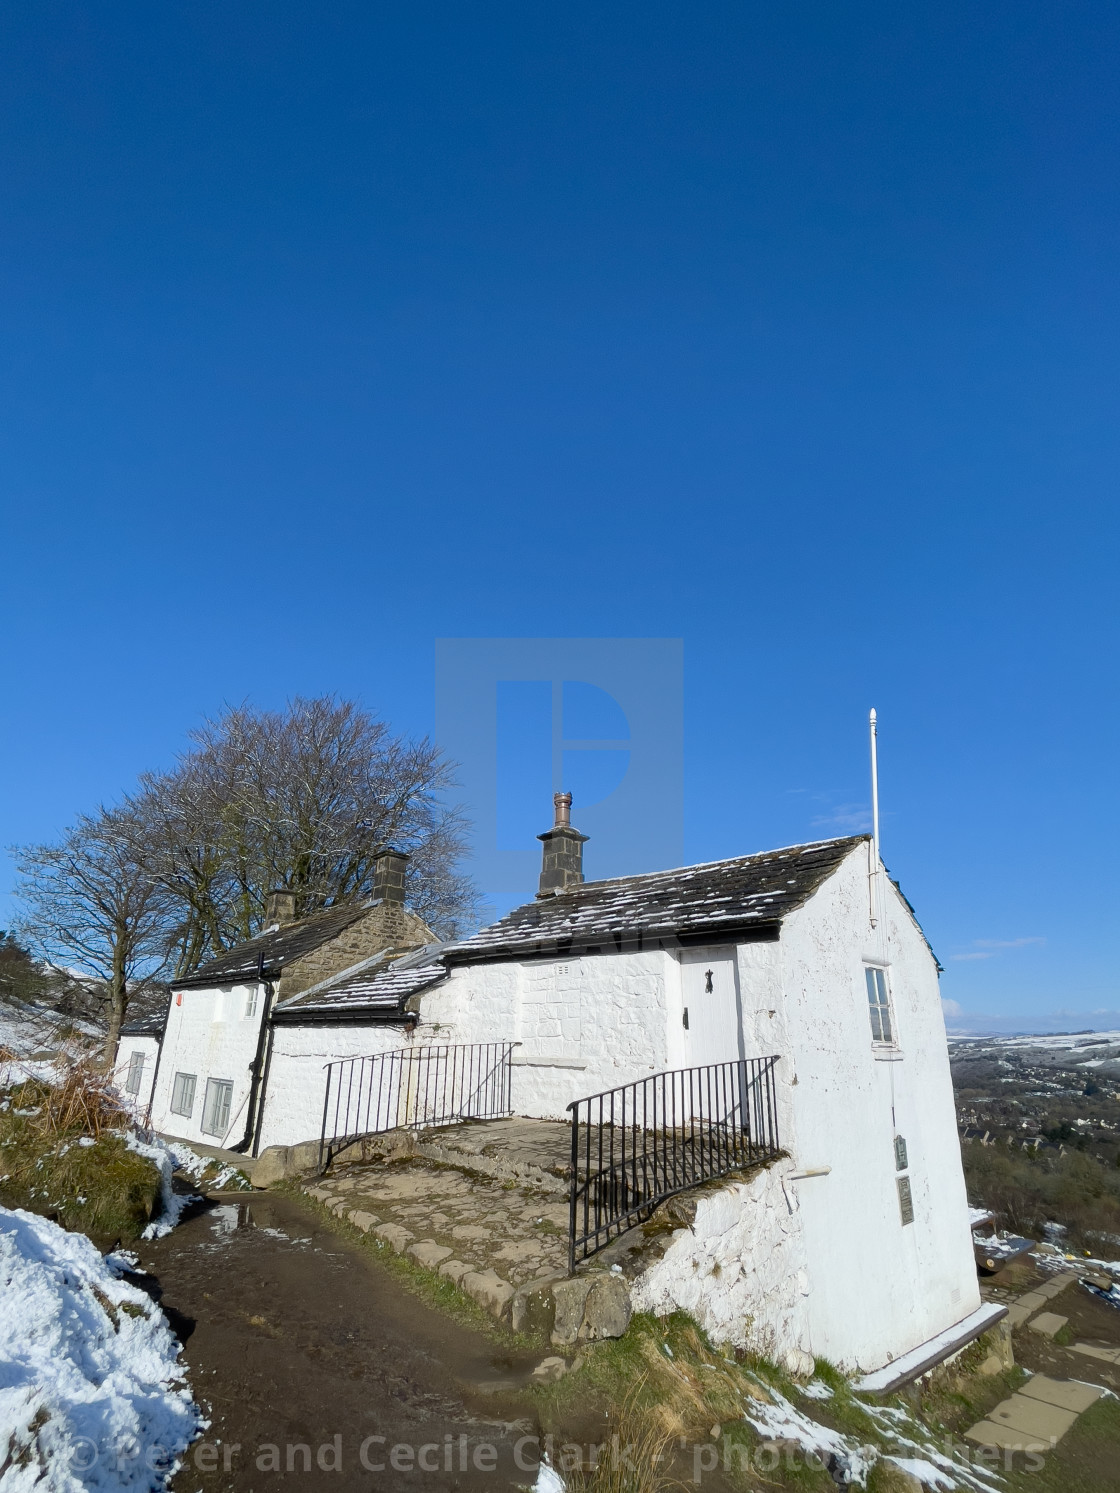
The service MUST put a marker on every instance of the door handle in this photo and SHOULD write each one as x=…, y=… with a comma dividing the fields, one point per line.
x=685, y=1018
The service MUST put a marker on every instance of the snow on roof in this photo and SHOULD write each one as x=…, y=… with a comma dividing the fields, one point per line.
x=718, y=899
x=380, y=984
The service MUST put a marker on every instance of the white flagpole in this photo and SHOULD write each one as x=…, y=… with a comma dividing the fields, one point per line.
x=874, y=818
x=875, y=786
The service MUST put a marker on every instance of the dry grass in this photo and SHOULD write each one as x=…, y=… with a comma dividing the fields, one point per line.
x=637, y=1456
x=64, y=1154
x=84, y=1101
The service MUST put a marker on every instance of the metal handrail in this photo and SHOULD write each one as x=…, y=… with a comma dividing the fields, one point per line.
x=414, y=1087
x=637, y=1145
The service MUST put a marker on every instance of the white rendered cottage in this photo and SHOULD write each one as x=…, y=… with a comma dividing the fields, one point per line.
x=211, y=1077
x=855, y=1245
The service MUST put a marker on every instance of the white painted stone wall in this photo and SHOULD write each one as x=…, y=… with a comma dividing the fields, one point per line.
x=210, y=1034
x=148, y=1047
x=878, y=1288
x=583, y=1024
x=740, y=1271
x=297, y=1076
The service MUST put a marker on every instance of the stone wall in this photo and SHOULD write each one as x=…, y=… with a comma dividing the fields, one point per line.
x=385, y=926
x=740, y=1269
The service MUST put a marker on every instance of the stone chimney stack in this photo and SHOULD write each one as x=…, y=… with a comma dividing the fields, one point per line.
x=388, y=876
x=280, y=907
x=562, y=860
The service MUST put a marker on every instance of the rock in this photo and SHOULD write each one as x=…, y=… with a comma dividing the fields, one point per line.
x=533, y=1309
x=453, y=1270
x=1099, y=1279
x=489, y=1290
x=277, y=1163
x=590, y=1308
x=469, y=1231
x=550, y=1369
x=569, y=1296
x=427, y=1252
x=362, y=1220
x=606, y=1311
x=798, y=1364
x=395, y=1234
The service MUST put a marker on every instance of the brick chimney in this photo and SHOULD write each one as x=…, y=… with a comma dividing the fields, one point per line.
x=388, y=876
x=280, y=907
x=562, y=860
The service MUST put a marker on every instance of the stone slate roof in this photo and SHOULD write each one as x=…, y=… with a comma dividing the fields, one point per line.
x=379, y=985
x=274, y=949
x=694, y=904
x=149, y=1025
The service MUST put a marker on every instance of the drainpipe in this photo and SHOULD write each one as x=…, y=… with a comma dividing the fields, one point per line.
x=264, y=1091
x=155, y=1074
x=258, y=1062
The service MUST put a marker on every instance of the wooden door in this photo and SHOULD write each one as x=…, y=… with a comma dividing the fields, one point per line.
x=713, y=1023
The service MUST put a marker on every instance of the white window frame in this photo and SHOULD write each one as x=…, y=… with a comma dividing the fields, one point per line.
x=879, y=1005
x=251, y=996
x=216, y=1107
x=135, y=1075
x=183, y=1088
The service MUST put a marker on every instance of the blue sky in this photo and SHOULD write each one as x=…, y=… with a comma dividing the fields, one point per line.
x=787, y=331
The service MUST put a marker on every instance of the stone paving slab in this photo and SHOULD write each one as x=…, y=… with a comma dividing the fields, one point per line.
x=537, y=1153
x=1033, y=1417
x=1032, y=1299
x=1056, y=1286
x=987, y=1433
x=1090, y=1350
x=1047, y=1323
x=1067, y=1394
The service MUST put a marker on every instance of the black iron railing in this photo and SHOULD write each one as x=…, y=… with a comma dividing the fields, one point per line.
x=637, y=1145
x=414, y=1086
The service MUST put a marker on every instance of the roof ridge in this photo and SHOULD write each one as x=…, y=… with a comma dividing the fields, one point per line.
x=726, y=860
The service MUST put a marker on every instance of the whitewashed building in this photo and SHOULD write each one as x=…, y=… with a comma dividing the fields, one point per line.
x=212, y=1074
x=855, y=1245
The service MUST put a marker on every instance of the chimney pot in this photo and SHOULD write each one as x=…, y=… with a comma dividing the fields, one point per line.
x=562, y=858
x=388, y=876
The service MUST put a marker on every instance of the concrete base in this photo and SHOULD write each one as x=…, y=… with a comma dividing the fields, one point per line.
x=927, y=1356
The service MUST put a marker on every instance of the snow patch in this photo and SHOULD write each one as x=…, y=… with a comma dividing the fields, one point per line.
x=172, y=1203
x=549, y=1480
x=92, y=1395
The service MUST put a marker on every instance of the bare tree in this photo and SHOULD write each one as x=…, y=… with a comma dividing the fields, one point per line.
x=304, y=799
x=92, y=902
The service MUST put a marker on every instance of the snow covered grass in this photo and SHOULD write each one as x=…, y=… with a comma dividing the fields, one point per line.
x=64, y=1156
x=92, y=1395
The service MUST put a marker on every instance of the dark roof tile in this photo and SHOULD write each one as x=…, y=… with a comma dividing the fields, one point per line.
x=718, y=899
x=274, y=949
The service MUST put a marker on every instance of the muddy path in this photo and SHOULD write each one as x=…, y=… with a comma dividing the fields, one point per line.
x=317, y=1370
